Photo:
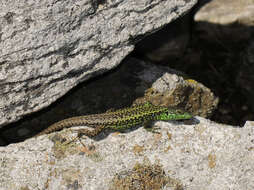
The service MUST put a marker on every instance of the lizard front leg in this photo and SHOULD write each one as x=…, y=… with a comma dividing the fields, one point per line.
x=90, y=133
x=149, y=126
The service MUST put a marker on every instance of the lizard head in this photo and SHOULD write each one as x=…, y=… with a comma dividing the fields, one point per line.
x=174, y=114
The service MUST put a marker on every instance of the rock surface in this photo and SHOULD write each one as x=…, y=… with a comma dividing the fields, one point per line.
x=227, y=12
x=198, y=154
x=223, y=21
x=169, y=87
x=48, y=47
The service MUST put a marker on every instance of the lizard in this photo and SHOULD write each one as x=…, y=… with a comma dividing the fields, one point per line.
x=120, y=119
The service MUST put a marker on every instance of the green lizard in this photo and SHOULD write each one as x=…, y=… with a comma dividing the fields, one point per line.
x=119, y=119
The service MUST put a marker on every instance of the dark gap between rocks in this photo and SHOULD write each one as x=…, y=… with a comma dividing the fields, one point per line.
x=222, y=62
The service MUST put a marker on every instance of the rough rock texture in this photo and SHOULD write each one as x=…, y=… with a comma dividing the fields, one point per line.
x=169, y=87
x=227, y=12
x=133, y=81
x=47, y=47
x=199, y=154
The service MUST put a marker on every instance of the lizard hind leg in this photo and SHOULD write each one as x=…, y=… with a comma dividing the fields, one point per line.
x=86, y=132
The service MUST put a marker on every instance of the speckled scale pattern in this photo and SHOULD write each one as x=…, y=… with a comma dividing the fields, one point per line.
x=119, y=119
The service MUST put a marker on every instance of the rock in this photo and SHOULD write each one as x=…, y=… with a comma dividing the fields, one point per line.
x=226, y=12
x=168, y=87
x=199, y=154
x=48, y=47
x=223, y=21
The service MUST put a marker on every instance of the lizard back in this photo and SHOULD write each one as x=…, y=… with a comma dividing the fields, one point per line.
x=123, y=117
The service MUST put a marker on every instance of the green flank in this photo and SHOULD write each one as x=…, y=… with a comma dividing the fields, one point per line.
x=120, y=119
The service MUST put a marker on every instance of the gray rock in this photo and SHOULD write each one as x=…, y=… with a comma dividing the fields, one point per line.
x=227, y=12
x=223, y=21
x=199, y=154
x=168, y=87
x=48, y=47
